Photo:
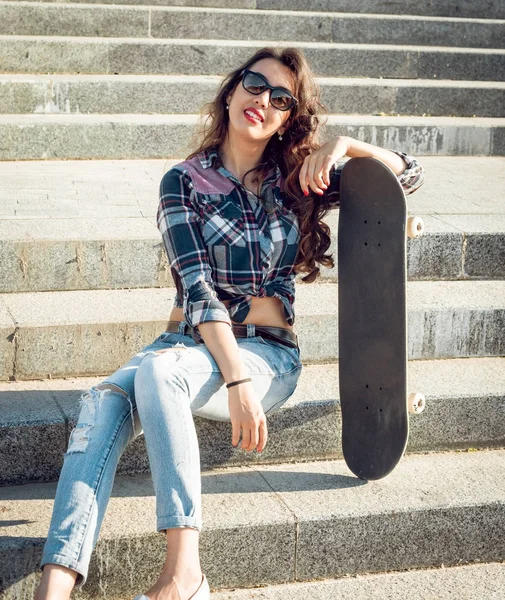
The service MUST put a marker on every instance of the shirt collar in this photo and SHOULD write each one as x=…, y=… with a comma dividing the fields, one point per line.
x=210, y=158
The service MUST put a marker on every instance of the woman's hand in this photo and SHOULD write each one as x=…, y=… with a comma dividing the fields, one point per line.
x=246, y=413
x=315, y=171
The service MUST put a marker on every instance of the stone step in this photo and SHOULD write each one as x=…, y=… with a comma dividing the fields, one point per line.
x=25, y=18
x=463, y=8
x=51, y=238
x=59, y=54
x=472, y=582
x=182, y=94
x=78, y=333
x=64, y=136
x=86, y=254
x=270, y=522
x=307, y=427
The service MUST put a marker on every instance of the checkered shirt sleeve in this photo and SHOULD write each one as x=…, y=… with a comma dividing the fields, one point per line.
x=411, y=179
x=179, y=225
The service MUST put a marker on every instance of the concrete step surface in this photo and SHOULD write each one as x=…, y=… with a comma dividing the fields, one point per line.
x=26, y=18
x=270, y=523
x=464, y=8
x=64, y=136
x=183, y=94
x=60, y=54
x=472, y=582
x=465, y=410
x=94, y=332
x=74, y=225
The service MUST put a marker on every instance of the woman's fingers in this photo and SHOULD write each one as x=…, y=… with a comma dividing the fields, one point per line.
x=325, y=171
x=254, y=437
x=315, y=171
x=235, y=429
x=246, y=438
x=303, y=178
x=312, y=176
x=322, y=172
x=251, y=422
x=315, y=174
x=263, y=435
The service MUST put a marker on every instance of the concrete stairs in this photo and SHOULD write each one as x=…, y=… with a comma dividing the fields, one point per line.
x=465, y=8
x=287, y=522
x=84, y=284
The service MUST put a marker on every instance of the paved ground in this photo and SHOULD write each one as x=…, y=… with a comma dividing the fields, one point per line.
x=129, y=188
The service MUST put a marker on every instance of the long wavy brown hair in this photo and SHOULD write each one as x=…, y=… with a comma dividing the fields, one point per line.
x=299, y=140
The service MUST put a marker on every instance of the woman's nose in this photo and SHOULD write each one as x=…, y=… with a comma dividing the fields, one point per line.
x=264, y=98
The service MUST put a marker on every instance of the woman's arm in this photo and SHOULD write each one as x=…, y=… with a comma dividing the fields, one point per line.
x=355, y=149
x=179, y=225
x=221, y=342
x=178, y=222
x=408, y=169
x=320, y=171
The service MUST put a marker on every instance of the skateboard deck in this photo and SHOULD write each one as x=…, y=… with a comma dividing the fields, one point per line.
x=372, y=317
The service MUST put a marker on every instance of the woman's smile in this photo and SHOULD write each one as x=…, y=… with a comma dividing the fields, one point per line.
x=251, y=118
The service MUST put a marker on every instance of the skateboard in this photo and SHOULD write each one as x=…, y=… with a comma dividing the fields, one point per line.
x=372, y=274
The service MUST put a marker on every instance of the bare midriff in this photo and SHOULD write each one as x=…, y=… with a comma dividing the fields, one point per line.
x=266, y=311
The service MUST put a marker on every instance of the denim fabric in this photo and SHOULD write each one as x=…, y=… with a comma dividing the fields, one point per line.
x=157, y=391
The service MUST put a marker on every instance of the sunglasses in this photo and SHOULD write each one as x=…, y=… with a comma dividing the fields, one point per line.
x=256, y=84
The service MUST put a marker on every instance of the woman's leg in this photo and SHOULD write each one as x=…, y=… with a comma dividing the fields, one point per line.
x=170, y=387
x=107, y=422
x=104, y=429
x=172, y=446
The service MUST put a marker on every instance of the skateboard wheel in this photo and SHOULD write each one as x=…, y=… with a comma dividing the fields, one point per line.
x=415, y=227
x=417, y=402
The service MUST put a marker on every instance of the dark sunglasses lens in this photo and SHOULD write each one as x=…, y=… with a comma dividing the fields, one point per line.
x=254, y=84
x=281, y=100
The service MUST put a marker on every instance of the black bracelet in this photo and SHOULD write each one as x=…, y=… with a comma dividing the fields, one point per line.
x=237, y=382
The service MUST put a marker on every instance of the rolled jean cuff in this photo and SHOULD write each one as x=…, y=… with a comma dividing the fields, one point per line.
x=63, y=561
x=163, y=523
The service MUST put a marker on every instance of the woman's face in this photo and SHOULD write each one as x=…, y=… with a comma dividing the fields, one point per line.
x=274, y=120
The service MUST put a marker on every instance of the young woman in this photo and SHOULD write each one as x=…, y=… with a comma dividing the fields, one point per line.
x=239, y=218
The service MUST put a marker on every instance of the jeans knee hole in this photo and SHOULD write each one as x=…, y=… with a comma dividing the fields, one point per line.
x=79, y=437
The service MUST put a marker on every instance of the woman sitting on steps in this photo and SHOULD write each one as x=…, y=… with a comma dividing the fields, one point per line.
x=239, y=218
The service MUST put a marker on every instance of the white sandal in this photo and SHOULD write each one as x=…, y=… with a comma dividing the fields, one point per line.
x=202, y=593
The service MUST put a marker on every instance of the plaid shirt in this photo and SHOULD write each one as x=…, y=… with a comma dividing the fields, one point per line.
x=223, y=243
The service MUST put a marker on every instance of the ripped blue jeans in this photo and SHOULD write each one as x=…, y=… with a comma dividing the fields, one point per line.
x=157, y=391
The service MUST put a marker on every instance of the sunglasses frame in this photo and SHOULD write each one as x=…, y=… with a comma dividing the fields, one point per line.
x=244, y=74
